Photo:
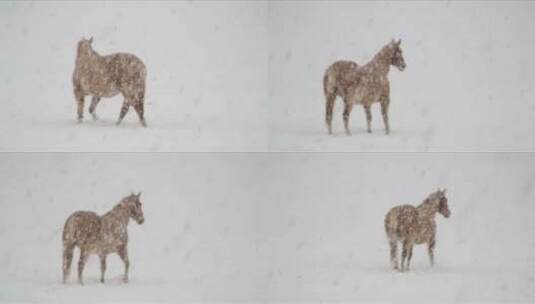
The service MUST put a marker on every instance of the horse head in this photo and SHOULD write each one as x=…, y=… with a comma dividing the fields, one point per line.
x=133, y=205
x=84, y=46
x=443, y=203
x=397, y=59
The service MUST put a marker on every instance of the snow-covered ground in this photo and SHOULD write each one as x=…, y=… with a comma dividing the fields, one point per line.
x=271, y=227
x=468, y=85
x=206, y=83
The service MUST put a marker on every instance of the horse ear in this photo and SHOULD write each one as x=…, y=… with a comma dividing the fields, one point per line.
x=399, y=42
x=90, y=40
x=139, y=194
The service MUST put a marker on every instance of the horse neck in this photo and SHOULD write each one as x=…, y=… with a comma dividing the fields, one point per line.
x=118, y=216
x=380, y=63
x=427, y=210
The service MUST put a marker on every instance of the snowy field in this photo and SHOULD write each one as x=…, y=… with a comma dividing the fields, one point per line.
x=271, y=227
x=206, y=75
x=468, y=85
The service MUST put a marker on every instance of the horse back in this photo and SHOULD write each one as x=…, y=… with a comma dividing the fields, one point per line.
x=125, y=65
x=82, y=228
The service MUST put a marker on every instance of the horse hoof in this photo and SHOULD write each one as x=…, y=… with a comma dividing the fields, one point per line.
x=79, y=121
x=95, y=117
x=125, y=280
x=144, y=124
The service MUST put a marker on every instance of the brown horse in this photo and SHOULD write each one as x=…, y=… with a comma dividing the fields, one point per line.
x=101, y=235
x=107, y=76
x=415, y=225
x=363, y=85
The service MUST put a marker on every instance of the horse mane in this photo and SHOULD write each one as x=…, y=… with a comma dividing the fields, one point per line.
x=386, y=51
x=117, y=207
x=430, y=204
x=381, y=60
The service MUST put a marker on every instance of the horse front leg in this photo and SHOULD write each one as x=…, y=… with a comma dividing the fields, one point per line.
x=123, y=254
x=431, y=251
x=79, y=104
x=348, y=106
x=367, y=109
x=102, y=267
x=93, y=106
x=384, y=111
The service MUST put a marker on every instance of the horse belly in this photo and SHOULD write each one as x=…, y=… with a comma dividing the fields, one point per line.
x=364, y=97
x=112, y=91
x=99, y=87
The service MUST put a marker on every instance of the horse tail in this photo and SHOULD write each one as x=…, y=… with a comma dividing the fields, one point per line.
x=69, y=242
x=391, y=225
x=69, y=230
x=329, y=81
x=141, y=91
x=330, y=96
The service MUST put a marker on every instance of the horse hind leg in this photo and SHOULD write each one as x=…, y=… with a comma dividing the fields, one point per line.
x=394, y=254
x=409, y=256
x=67, y=260
x=138, y=106
x=124, y=110
x=81, y=264
x=136, y=99
x=102, y=267
x=348, y=106
x=368, y=111
x=404, y=254
x=93, y=107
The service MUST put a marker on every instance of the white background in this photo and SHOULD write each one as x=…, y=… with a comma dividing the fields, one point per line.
x=271, y=227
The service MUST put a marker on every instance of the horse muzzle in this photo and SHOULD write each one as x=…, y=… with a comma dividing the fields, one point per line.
x=140, y=220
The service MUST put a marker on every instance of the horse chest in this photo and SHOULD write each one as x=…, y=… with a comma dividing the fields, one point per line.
x=112, y=237
x=425, y=232
x=365, y=95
